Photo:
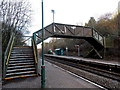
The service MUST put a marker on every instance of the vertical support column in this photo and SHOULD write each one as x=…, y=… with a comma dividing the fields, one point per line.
x=78, y=51
x=42, y=66
x=67, y=51
x=104, y=43
x=104, y=53
x=92, y=32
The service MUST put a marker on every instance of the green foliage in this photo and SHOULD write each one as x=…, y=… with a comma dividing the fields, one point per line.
x=70, y=44
x=106, y=25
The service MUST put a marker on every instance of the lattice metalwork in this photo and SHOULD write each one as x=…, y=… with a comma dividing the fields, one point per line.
x=73, y=31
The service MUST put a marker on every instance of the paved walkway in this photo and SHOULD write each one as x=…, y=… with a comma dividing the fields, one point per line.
x=55, y=78
x=59, y=78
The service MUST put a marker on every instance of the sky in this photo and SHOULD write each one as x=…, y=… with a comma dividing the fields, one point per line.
x=75, y=12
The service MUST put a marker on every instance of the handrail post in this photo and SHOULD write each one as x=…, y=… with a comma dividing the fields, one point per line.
x=92, y=32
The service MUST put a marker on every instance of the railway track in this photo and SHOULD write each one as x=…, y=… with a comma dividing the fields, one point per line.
x=109, y=74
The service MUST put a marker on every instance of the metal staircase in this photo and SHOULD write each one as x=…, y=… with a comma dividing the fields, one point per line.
x=21, y=60
x=21, y=63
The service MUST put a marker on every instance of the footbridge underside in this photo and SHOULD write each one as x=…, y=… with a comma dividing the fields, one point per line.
x=73, y=31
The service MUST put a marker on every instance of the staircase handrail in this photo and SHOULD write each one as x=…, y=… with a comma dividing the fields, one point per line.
x=99, y=35
x=8, y=53
x=35, y=50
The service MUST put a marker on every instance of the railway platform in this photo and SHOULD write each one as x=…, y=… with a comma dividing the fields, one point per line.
x=55, y=78
x=97, y=61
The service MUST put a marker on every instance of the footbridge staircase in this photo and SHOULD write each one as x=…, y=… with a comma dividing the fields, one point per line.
x=20, y=57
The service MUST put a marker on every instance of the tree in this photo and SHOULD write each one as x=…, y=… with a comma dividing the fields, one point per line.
x=91, y=22
x=15, y=17
x=107, y=25
x=15, y=14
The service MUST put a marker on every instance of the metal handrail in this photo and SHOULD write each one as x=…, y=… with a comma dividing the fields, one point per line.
x=25, y=40
x=34, y=45
x=8, y=53
x=99, y=35
x=34, y=49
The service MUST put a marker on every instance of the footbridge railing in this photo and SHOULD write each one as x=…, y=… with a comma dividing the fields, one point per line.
x=70, y=31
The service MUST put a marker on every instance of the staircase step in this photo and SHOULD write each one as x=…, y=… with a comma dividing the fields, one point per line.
x=16, y=59
x=21, y=57
x=21, y=54
x=21, y=76
x=22, y=61
x=20, y=73
x=22, y=47
x=20, y=70
x=27, y=63
x=25, y=66
x=26, y=50
x=15, y=51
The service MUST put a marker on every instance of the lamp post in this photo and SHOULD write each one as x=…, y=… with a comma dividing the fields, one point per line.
x=53, y=11
x=43, y=65
x=79, y=51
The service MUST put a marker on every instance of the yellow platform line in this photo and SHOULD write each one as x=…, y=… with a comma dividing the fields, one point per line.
x=21, y=76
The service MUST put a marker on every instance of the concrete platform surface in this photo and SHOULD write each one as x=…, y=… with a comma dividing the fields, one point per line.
x=59, y=78
x=102, y=61
x=55, y=78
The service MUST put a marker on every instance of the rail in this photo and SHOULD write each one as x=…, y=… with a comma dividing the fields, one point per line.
x=23, y=40
x=34, y=45
x=8, y=53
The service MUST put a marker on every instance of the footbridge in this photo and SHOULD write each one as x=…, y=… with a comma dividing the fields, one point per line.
x=21, y=56
x=59, y=30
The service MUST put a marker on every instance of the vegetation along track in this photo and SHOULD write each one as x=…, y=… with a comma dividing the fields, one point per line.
x=90, y=68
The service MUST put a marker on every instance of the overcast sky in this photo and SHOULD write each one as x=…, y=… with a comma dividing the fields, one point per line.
x=70, y=11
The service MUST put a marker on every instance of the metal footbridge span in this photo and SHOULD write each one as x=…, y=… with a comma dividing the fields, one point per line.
x=74, y=31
